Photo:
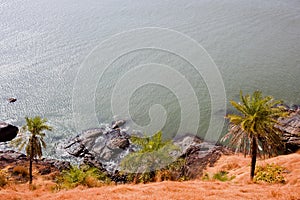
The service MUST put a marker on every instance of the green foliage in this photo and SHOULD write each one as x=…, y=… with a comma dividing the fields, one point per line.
x=87, y=176
x=258, y=118
x=175, y=170
x=221, y=176
x=32, y=137
x=255, y=128
x=154, y=159
x=270, y=173
x=150, y=144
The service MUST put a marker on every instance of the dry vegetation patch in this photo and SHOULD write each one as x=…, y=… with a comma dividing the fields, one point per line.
x=238, y=188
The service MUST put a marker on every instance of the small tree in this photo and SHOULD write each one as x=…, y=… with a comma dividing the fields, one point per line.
x=34, y=141
x=254, y=128
x=154, y=154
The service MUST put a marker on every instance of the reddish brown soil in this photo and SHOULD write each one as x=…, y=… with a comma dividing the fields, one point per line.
x=239, y=188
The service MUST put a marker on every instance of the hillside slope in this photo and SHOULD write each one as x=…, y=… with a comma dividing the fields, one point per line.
x=238, y=188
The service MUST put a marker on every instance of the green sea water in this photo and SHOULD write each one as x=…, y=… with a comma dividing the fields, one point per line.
x=254, y=45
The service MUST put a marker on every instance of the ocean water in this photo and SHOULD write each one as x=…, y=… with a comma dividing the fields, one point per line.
x=46, y=62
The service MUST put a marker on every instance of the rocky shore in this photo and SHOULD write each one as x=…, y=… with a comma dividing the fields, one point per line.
x=105, y=147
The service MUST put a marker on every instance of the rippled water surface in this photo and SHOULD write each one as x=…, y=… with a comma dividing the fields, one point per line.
x=254, y=44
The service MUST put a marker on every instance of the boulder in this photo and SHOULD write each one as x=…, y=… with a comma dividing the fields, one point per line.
x=100, y=147
x=11, y=100
x=198, y=154
x=290, y=127
x=7, y=132
x=117, y=124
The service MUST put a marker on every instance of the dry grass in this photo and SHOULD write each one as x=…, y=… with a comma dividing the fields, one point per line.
x=20, y=170
x=238, y=188
x=3, y=179
x=230, y=166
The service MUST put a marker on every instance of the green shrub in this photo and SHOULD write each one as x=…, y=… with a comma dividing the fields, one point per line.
x=269, y=173
x=87, y=176
x=221, y=176
x=173, y=171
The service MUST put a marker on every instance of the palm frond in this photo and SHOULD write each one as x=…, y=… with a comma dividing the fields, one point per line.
x=258, y=117
x=31, y=136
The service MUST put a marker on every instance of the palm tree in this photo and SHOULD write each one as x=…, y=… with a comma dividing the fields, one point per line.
x=34, y=142
x=254, y=130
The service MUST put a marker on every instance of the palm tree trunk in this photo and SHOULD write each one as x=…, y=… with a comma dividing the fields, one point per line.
x=253, y=156
x=30, y=171
x=30, y=161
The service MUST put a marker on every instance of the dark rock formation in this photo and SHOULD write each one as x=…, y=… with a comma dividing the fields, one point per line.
x=102, y=148
x=8, y=157
x=45, y=166
x=198, y=154
x=11, y=100
x=7, y=132
x=290, y=127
